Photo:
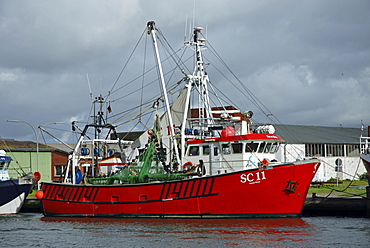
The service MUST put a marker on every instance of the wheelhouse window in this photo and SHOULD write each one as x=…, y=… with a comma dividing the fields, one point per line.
x=215, y=151
x=251, y=147
x=193, y=151
x=274, y=147
x=237, y=147
x=205, y=150
x=268, y=147
x=3, y=165
x=226, y=149
x=262, y=147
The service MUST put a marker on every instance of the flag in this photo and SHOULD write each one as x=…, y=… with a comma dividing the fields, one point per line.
x=109, y=109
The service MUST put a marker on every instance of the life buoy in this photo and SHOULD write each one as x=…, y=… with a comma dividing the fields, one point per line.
x=150, y=132
x=188, y=166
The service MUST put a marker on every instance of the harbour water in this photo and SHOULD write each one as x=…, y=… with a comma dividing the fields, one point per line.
x=34, y=230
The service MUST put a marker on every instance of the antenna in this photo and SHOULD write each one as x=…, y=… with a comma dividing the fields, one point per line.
x=207, y=32
x=100, y=84
x=190, y=33
x=186, y=22
x=194, y=15
x=88, y=82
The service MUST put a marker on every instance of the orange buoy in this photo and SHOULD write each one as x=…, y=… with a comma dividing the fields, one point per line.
x=37, y=176
x=39, y=194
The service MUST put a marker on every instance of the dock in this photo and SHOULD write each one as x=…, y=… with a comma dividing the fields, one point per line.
x=31, y=205
x=314, y=206
x=336, y=206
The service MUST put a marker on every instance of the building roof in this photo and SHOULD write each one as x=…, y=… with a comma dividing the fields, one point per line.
x=293, y=134
x=29, y=146
x=300, y=134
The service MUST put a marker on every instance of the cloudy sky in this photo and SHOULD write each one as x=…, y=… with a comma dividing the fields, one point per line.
x=308, y=61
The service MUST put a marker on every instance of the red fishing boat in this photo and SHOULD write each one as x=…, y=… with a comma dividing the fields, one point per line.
x=196, y=161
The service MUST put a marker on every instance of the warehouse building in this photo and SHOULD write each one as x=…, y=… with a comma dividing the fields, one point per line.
x=337, y=148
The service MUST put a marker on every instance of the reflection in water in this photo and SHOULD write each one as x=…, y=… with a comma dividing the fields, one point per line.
x=26, y=230
x=199, y=232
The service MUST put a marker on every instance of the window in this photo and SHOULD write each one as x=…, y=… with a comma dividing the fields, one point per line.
x=352, y=150
x=268, y=147
x=226, y=149
x=205, y=150
x=3, y=166
x=251, y=147
x=59, y=169
x=274, y=147
x=237, y=147
x=315, y=150
x=335, y=150
x=193, y=151
x=215, y=151
x=331, y=150
x=262, y=147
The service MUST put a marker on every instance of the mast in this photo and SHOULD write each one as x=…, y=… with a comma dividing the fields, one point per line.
x=99, y=123
x=200, y=80
x=99, y=117
x=152, y=30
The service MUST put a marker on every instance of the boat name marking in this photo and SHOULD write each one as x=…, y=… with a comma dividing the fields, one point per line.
x=272, y=136
x=253, y=178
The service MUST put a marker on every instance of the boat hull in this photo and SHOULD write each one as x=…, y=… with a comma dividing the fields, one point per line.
x=13, y=195
x=278, y=191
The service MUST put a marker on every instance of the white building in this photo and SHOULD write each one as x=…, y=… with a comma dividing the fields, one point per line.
x=336, y=147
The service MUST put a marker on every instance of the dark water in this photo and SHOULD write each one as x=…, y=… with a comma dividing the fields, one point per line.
x=34, y=230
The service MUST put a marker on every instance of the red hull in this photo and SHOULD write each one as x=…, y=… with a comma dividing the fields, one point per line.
x=277, y=192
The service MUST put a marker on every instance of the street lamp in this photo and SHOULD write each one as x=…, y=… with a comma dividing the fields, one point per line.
x=37, y=140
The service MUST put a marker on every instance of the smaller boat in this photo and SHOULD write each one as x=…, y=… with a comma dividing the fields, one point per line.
x=13, y=192
x=365, y=152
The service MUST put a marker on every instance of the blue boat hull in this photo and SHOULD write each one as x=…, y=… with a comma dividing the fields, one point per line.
x=13, y=195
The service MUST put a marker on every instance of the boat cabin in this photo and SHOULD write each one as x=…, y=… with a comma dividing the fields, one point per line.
x=233, y=153
x=4, y=165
